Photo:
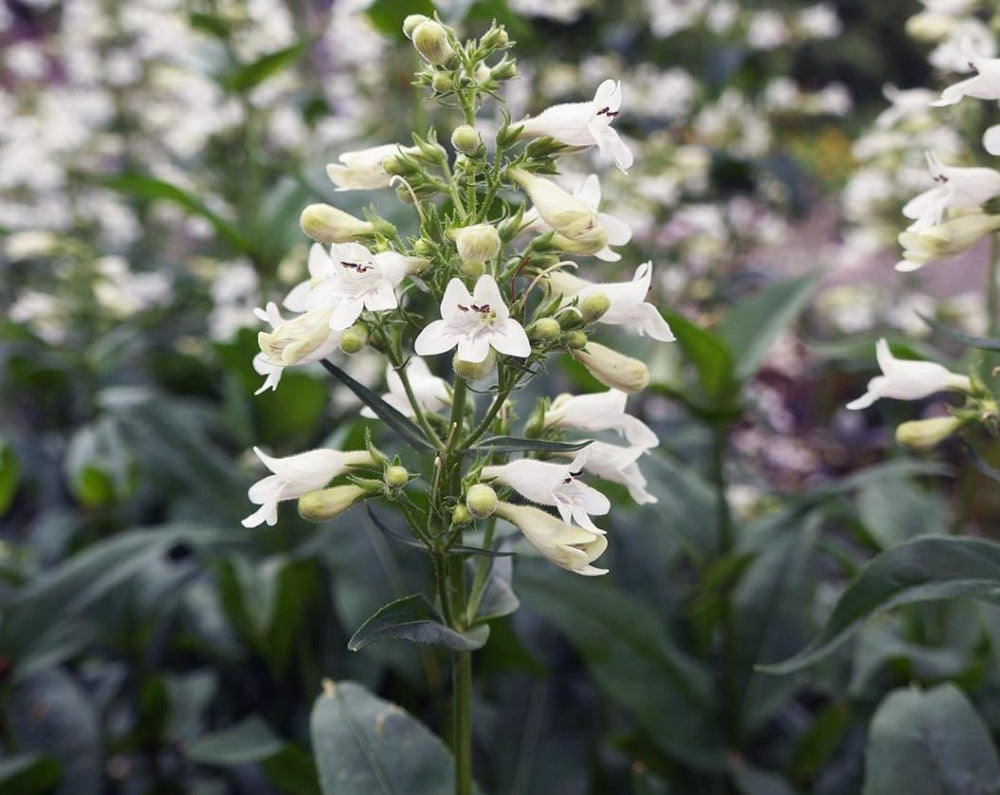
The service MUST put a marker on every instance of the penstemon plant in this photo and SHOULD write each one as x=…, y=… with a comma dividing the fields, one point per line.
x=485, y=281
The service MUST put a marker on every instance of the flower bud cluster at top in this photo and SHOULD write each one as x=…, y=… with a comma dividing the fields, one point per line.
x=488, y=281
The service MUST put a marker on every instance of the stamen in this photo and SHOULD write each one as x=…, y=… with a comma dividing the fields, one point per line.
x=463, y=308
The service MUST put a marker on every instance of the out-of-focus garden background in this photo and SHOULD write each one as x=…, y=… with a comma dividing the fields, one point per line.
x=154, y=158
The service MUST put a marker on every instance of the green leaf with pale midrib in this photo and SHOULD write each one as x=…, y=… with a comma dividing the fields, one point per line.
x=367, y=746
x=925, y=569
x=412, y=618
x=514, y=444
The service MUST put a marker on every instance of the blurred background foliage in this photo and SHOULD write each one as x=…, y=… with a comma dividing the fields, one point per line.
x=154, y=158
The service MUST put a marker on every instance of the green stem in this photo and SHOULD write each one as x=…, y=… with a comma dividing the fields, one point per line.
x=462, y=716
x=724, y=529
x=482, y=573
x=491, y=413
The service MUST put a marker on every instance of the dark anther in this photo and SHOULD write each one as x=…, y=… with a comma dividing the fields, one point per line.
x=179, y=552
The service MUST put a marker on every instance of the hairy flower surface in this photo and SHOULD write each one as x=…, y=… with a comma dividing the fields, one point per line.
x=569, y=546
x=295, y=475
x=600, y=411
x=430, y=391
x=302, y=339
x=553, y=484
x=617, y=464
x=628, y=305
x=904, y=379
x=473, y=322
x=365, y=168
x=956, y=187
x=585, y=124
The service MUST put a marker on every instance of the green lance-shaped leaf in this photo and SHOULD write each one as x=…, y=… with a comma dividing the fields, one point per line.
x=513, y=444
x=920, y=570
x=10, y=474
x=709, y=354
x=367, y=746
x=412, y=618
x=930, y=743
x=394, y=418
x=983, y=343
x=250, y=740
x=247, y=76
x=755, y=324
x=146, y=187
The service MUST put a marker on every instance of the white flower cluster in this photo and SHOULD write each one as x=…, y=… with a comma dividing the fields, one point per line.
x=501, y=313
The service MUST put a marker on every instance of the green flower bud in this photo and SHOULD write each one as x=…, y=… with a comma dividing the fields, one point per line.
x=545, y=329
x=594, y=306
x=396, y=477
x=411, y=22
x=476, y=245
x=326, y=224
x=575, y=340
x=505, y=70
x=494, y=38
x=570, y=318
x=442, y=82
x=461, y=515
x=354, y=339
x=423, y=248
x=466, y=139
x=324, y=504
x=481, y=500
x=431, y=41
x=614, y=369
x=925, y=434
x=473, y=371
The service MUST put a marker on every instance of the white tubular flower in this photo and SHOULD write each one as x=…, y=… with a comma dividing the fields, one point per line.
x=628, y=307
x=303, y=339
x=618, y=464
x=300, y=297
x=295, y=475
x=600, y=411
x=584, y=124
x=474, y=322
x=904, y=379
x=568, y=546
x=564, y=213
x=546, y=483
x=944, y=240
x=326, y=224
x=430, y=391
x=908, y=103
x=613, y=368
x=365, y=168
x=984, y=85
x=589, y=192
x=957, y=187
x=357, y=280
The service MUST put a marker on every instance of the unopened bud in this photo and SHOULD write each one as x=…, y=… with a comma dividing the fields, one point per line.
x=476, y=245
x=594, y=306
x=614, y=369
x=473, y=371
x=929, y=27
x=925, y=434
x=431, y=41
x=461, y=515
x=466, y=139
x=505, y=70
x=545, y=329
x=326, y=224
x=442, y=82
x=565, y=213
x=570, y=318
x=481, y=500
x=411, y=22
x=494, y=38
x=575, y=340
x=354, y=339
x=324, y=504
x=396, y=477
